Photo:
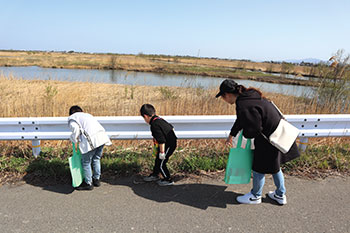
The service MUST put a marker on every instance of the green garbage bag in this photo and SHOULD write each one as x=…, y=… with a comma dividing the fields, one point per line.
x=239, y=164
x=155, y=150
x=76, y=168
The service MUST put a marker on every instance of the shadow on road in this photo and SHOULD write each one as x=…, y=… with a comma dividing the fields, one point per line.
x=59, y=188
x=49, y=184
x=51, y=175
x=196, y=195
x=62, y=188
x=266, y=199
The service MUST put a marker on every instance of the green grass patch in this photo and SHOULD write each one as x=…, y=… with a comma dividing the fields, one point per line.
x=54, y=168
x=53, y=165
x=124, y=162
x=322, y=159
x=13, y=164
x=196, y=161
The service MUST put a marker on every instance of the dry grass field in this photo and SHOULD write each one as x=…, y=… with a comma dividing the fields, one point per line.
x=237, y=69
x=36, y=98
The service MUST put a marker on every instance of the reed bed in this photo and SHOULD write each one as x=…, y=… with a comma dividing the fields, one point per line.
x=37, y=98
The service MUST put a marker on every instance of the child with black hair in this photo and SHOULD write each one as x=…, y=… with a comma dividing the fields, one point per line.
x=92, y=137
x=163, y=135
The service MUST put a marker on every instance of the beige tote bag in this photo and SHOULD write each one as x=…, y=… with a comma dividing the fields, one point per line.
x=284, y=136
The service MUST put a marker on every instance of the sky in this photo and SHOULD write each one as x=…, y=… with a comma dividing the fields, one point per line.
x=255, y=30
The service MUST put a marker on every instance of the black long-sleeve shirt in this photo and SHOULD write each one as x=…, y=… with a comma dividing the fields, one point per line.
x=162, y=131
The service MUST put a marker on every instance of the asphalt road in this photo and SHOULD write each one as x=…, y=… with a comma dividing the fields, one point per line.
x=205, y=206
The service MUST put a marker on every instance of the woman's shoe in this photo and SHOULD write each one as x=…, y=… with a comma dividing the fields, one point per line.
x=249, y=198
x=282, y=200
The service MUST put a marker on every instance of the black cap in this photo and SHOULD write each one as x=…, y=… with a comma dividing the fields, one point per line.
x=227, y=86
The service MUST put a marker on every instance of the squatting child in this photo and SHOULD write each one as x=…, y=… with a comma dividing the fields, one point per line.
x=163, y=136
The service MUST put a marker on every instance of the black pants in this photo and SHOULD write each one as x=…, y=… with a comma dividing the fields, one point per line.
x=160, y=165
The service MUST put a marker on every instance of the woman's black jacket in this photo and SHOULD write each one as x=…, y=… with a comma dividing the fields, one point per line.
x=256, y=115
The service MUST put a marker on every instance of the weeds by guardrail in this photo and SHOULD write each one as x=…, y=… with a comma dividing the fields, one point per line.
x=52, y=166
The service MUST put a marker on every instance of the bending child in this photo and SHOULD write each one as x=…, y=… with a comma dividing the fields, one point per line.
x=163, y=135
x=91, y=136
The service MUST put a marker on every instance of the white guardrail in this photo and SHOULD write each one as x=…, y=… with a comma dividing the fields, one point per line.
x=186, y=127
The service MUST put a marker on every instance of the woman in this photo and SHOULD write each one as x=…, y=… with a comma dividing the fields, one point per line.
x=257, y=116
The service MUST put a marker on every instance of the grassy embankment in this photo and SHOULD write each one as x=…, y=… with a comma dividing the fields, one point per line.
x=237, y=69
x=22, y=98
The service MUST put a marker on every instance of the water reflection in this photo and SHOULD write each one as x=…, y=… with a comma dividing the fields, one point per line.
x=143, y=78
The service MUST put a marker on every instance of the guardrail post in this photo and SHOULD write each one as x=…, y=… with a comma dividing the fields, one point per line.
x=303, y=143
x=36, y=147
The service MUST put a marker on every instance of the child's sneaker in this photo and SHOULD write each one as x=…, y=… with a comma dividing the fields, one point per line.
x=96, y=182
x=165, y=182
x=85, y=186
x=249, y=198
x=280, y=200
x=150, y=178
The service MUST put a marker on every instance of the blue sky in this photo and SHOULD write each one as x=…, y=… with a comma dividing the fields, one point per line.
x=255, y=30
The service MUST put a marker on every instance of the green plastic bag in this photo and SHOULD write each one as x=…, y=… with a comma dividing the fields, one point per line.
x=239, y=164
x=76, y=168
x=155, y=150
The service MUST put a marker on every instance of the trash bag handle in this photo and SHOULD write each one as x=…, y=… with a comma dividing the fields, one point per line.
x=240, y=138
x=74, y=148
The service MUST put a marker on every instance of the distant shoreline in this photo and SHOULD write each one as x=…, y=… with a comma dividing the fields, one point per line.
x=222, y=68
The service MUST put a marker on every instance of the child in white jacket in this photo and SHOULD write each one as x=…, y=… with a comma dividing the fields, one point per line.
x=91, y=136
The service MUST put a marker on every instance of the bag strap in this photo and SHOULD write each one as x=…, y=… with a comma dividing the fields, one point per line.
x=84, y=133
x=277, y=109
x=156, y=118
x=240, y=139
x=74, y=148
x=266, y=137
x=279, y=113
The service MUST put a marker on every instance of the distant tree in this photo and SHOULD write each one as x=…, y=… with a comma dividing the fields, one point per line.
x=287, y=67
x=334, y=86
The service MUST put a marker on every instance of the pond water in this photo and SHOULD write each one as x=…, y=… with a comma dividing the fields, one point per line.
x=143, y=78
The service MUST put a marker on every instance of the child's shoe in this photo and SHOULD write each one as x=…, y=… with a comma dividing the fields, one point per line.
x=164, y=182
x=85, y=186
x=280, y=200
x=249, y=198
x=96, y=182
x=150, y=178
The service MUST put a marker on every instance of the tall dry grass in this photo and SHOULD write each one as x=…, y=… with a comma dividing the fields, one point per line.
x=37, y=98
x=24, y=98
